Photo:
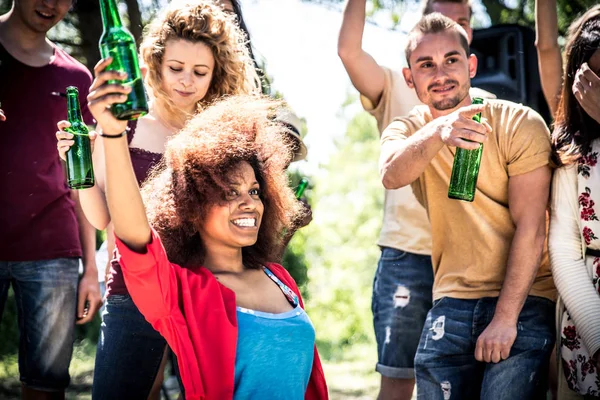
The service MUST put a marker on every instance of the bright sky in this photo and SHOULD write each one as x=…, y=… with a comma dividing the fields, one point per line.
x=299, y=42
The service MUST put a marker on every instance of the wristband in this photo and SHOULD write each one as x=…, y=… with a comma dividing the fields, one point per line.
x=118, y=135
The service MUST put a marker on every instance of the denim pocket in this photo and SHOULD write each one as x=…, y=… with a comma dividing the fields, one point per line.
x=438, y=302
x=536, y=327
x=391, y=255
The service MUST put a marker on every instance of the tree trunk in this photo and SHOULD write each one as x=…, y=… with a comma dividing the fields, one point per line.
x=89, y=24
x=494, y=9
x=135, y=19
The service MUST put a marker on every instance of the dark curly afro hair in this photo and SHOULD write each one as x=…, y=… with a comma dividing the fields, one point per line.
x=196, y=170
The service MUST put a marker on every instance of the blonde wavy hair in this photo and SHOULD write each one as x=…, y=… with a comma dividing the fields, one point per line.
x=200, y=21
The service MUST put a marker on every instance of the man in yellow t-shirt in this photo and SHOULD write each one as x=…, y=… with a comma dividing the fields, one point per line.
x=491, y=329
x=404, y=276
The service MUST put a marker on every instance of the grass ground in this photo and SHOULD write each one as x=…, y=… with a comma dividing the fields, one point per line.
x=353, y=376
x=349, y=376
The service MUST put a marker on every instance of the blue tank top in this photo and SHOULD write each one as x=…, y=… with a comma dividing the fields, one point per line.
x=274, y=351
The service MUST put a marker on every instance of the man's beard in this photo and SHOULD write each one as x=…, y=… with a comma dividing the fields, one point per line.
x=447, y=104
x=450, y=102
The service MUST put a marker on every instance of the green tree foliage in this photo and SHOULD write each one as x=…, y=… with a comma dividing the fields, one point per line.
x=523, y=13
x=294, y=258
x=499, y=11
x=340, y=243
x=9, y=330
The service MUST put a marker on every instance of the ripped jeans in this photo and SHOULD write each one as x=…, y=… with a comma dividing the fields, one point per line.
x=445, y=363
x=401, y=299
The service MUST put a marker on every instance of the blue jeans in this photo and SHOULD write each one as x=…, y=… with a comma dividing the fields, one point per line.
x=445, y=364
x=129, y=352
x=46, y=297
x=401, y=300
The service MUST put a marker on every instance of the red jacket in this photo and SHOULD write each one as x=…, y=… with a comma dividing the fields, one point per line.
x=197, y=316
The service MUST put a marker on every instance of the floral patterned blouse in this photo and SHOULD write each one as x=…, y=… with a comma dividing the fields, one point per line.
x=579, y=368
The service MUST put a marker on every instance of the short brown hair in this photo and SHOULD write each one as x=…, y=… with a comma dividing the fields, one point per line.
x=428, y=5
x=431, y=24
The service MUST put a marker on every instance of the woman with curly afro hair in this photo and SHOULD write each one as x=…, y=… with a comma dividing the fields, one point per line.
x=193, y=53
x=196, y=248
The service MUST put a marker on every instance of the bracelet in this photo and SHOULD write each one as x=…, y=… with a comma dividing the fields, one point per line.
x=118, y=135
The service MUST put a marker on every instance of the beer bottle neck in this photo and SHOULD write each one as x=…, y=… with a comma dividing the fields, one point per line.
x=110, y=14
x=73, y=109
x=477, y=100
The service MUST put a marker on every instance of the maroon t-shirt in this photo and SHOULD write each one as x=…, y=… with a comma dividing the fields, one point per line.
x=37, y=215
x=142, y=161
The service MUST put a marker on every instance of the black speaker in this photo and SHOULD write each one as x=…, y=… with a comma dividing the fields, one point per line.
x=508, y=65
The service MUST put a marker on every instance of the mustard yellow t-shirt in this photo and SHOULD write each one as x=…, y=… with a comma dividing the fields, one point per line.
x=471, y=241
x=405, y=224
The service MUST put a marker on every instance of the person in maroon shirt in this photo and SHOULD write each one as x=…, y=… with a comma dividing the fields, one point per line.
x=193, y=54
x=43, y=232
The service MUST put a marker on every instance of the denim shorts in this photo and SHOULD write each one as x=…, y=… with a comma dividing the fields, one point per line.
x=401, y=299
x=129, y=352
x=445, y=364
x=46, y=298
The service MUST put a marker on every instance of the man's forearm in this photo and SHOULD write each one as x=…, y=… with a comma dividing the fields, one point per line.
x=523, y=264
x=407, y=159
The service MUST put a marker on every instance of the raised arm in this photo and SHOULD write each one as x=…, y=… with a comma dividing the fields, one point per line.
x=366, y=75
x=404, y=157
x=549, y=58
x=127, y=211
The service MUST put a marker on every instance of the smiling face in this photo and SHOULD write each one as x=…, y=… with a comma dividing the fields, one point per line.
x=41, y=15
x=187, y=70
x=235, y=222
x=440, y=71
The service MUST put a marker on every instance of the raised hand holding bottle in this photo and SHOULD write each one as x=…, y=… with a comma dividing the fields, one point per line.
x=463, y=181
x=118, y=43
x=80, y=170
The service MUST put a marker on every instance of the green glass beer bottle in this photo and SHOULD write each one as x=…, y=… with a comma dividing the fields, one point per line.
x=118, y=43
x=466, y=168
x=301, y=187
x=80, y=172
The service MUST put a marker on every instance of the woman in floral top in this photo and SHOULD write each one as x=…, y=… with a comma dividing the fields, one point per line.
x=574, y=242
